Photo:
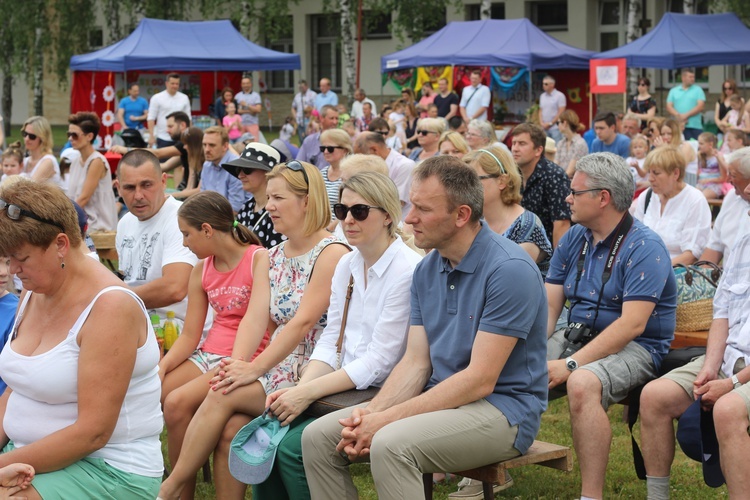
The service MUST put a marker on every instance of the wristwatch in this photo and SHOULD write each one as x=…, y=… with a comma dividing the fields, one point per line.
x=736, y=382
x=571, y=364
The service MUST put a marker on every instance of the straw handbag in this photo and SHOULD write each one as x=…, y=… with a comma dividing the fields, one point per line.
x=696, y=287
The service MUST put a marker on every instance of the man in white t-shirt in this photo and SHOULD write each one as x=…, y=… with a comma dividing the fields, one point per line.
x=249, y=107
x=359, y=99
x=475, y=99
x=552, y=103
x=151, y=257
x=162, y=104
x=732, y=222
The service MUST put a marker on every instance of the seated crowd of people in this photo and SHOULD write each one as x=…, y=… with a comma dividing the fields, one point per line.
x=469, y=281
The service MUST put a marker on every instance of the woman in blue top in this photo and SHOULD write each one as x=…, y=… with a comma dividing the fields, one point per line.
x=503, y=212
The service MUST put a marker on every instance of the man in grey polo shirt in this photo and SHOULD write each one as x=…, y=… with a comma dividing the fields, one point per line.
x=471, y=387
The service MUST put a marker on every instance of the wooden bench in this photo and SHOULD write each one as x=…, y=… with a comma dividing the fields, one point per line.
x=540, y=453
x=104, y=241
x=689, y=339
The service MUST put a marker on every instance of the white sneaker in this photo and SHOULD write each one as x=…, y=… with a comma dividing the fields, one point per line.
x=470, y=489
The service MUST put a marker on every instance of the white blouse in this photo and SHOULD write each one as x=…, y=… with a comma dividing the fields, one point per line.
x=684, y=225
x=378, y=317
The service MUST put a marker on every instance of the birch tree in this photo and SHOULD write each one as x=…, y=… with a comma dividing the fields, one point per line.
x=485, y=10
x=688, y=6
x=347, y=45
x=633, y=32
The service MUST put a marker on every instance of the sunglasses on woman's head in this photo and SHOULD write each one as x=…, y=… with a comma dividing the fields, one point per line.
x=359, y=211
x=329, y=149
x=296, y=166
x=32, y=137
x=14, y=212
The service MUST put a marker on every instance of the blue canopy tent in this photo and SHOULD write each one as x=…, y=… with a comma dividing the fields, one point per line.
x=513, y=43
x=681, y=40
x=184, y=46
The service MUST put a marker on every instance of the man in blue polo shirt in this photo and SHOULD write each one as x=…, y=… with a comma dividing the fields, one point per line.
x=618, y=277
x=133, y=110
x=608, y=140
x=471, y=387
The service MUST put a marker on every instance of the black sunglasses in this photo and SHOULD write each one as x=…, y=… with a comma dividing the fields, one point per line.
x=728, y=88
x=14, y=212
x=425, y=132
x=73, y=135
x=329, y=149
x=32, y=137
x=359, y=211
x=296, y=166
x=384, y=133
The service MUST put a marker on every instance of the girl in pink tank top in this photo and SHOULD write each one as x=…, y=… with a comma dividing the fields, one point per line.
x=233, y=280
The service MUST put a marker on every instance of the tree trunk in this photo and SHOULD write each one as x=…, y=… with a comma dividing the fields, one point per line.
x=633, y=32
x=115, y=28
x=38, y=71
x=7, y=100
x=688, y=6
x=347, y=42
x=246, y=17
x=485, y=10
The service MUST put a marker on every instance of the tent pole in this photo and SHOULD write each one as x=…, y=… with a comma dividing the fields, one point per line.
x=216, y=84
x=531, y=92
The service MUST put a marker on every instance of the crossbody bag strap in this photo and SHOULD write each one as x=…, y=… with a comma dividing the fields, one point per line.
x=340, y=341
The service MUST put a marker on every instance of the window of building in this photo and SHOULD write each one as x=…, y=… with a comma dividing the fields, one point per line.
x=678, y=6
x=96, y=38
x=612, y=24
x=279, y=37
x=497, y=11
x=376, y=25
x=549, y=15
x=325, y=49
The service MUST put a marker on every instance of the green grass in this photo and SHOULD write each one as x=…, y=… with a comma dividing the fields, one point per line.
x=543, y=483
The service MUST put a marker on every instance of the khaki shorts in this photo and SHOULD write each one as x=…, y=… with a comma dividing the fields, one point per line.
x=618, y=373
x=685, y=375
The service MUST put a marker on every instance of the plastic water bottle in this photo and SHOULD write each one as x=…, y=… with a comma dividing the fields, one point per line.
x=158, y=331
x=171, y=331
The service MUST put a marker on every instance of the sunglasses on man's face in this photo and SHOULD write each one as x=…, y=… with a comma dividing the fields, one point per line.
x=329, y=149
x=359, y=212
x=32, y=137
x=14, y=212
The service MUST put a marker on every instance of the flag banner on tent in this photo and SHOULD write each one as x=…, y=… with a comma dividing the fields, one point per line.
x=507, y=79
x=400, y=79
x=608, y=76
x=432, y=74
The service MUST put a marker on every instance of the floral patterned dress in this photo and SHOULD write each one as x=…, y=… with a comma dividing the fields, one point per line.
x=289, y=277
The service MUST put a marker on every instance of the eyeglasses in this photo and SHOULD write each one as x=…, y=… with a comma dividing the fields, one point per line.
x=488, y=176
x=14, y=212
x=32, y=137
x=329, y=149
x=575, y=193
x=73, y=135
x=425, y=132
x=296, y=166
x=359, y=212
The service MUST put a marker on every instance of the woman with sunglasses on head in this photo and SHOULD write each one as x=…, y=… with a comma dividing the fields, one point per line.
x=335, y=144
x=503, y=212
x=429, y=131
x=40, y=164
x=90, y=180
x=374, y=336
x=572, y=147
x=300, y=274
x=643, y=105
x=80, y=363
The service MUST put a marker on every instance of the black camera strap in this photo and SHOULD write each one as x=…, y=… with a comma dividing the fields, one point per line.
x=621, y=231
